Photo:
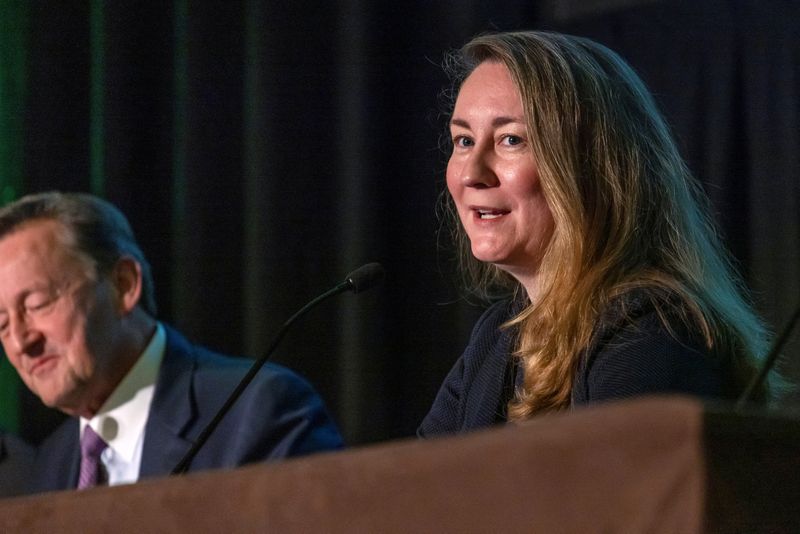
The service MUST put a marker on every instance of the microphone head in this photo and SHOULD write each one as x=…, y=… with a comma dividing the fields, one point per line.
x=365, y=277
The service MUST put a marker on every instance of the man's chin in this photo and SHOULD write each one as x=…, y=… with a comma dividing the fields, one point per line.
x=58, y=401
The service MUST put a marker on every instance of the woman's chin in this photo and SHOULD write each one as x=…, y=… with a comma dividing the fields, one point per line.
x=487, y=258
x=489, y=254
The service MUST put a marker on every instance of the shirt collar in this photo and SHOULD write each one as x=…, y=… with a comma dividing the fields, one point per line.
x=122, y=418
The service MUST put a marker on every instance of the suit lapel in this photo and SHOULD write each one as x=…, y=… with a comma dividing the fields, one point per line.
x=171, y=410
x=490, y=387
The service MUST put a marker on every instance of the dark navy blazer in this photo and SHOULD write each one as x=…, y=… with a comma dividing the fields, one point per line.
x=16, y=462
x=630, y=354
x=277, y=416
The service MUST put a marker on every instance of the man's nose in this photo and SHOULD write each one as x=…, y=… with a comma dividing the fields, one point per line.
x=23, y=336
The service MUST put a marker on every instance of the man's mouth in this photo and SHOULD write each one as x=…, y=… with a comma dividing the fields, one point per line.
x=41, y=363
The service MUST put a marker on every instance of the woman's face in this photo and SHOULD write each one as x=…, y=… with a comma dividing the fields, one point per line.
x=493, y=177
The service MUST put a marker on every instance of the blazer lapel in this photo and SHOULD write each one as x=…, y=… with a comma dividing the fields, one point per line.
x=489, y=401
x=171, y=411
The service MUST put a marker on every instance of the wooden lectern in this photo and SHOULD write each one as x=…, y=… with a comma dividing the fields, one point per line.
x=662, y=464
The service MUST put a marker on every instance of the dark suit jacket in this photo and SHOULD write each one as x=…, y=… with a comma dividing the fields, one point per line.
x=16, y=463
x=278, y=415
x=630, y=354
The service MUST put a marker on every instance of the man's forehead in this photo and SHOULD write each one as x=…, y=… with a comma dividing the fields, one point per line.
x=44, y=246
x=39, y=233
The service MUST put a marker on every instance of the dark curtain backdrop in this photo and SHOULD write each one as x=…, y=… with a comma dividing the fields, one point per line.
x=264, y=149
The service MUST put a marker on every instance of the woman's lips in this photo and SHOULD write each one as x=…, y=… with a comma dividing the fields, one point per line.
x=488, y=214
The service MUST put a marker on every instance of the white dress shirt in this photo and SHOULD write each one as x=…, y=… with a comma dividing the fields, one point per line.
x=122, y=418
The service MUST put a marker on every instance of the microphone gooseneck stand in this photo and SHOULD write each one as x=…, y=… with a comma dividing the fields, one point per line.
x=359, y=280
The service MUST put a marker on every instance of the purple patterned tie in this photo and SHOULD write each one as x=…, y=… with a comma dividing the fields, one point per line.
x=92, y=446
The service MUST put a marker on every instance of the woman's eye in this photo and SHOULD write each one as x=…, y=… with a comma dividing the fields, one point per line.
x=513, y=140
x=462, y=141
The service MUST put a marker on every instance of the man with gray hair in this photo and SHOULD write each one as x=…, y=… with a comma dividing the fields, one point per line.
x=78, y=323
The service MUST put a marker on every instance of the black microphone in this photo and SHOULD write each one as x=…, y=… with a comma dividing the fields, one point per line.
x=363, y=278
x=769, y=361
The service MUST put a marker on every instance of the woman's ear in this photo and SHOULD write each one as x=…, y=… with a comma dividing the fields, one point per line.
x=126, y=278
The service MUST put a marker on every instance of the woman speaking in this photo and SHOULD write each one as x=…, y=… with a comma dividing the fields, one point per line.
x=569, y=197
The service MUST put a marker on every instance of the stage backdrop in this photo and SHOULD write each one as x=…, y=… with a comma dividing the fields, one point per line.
x=263, y=149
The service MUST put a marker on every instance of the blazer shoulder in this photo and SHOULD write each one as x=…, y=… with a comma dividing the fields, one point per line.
x=278, y=414
x=210, y=376
x=643, y=344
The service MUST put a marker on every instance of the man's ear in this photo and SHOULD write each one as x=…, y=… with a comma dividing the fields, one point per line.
x=126, y=277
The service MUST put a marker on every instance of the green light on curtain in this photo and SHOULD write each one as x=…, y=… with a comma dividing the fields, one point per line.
x=179, y=185
x=181, y=92
x=13, y=82
x=9, y=396
x=97, y=99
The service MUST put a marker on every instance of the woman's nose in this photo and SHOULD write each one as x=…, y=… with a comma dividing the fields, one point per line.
x=478, y=171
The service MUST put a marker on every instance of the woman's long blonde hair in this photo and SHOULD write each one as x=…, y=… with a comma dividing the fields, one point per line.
x=628, y=214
